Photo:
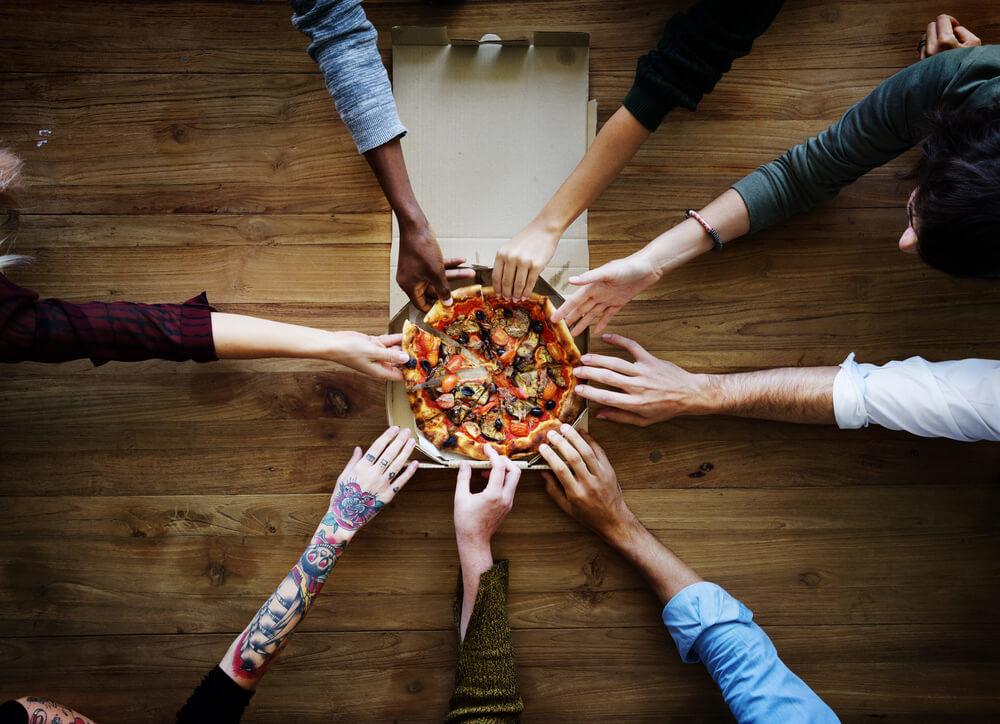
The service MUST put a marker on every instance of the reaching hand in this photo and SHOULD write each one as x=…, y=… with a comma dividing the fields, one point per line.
x=583, y=483
x=373, y=356
x=369, y=482
x=519, y=262
x=477, y=516
x=606, y=290
x=422, y=273
x=652, y=390
x=946, y=33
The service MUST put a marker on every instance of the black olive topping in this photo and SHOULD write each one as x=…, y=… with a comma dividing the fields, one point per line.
x=498, y=424
x=480, y=315
x=499, y=350
x=463, y=338
x=452, y=441
x=411, y=363
x=508, y=312
x=468, y=391
x=537, y=326
x=441, y=351
x=550, y=404
x=426, y=366
x=536, y=412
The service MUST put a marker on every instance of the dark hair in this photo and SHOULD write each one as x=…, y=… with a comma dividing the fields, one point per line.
x=957, y=201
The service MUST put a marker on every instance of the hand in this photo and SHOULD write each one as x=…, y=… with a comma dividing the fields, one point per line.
x=585, y=485
x=652, y=390
x=422, y=273
x=477, y=516
x=606, y=290
x=519, y=262
x=371, y=481
x=373, y=356
x=945, y=33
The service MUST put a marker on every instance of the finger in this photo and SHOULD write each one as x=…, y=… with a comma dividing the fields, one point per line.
x=602, y=456
x=623, y=416
x=585, y=321
x=582, y=447
x=382, y=372
x=604, y=397
x=389, y=355
x=510, y=480
x=581, y=309
x=495, y=484
x=419, y=298
x=946, y=38
x=617, y=364
x=402, y=457
x=966, y=37
x=463, y=273
x=556, y=492
x=392, y=450
x=464, y=476
x=521, y=273
x=506, y=278
x=588, y=277
x=380, y=444
x=569, y=453
x=454, y=262
x=566, y=308
x=608, y=314
x=441, y=289
x=932, y=40
x=629, y=345
x=559, y=468
x=604, y=377
x=354, y=459
x=399, y=482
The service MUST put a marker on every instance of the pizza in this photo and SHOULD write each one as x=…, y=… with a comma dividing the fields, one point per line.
x=500, y=374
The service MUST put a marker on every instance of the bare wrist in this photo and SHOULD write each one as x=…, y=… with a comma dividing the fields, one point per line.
x=703, y=396
x=677, y=245
x=410, y=217
x=475, y=555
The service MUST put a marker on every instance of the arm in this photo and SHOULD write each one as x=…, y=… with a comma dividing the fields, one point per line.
x=34, y=710
x=650, y=390
x=364, y=487
x=696, y=48
x=486, y=677
x=705, y=622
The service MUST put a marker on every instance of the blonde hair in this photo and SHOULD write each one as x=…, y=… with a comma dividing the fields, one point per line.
x=10, y=182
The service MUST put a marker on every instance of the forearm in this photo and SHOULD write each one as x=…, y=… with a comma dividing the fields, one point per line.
x=666, y=574
x=389, y=167
x=616, y=144
x=475, y=560
x=726, y=213
x=241, y=337
x=253, y=651
x=803, y=395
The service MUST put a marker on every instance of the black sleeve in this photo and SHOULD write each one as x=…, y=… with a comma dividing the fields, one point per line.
x=697, y=47
x=13, y=712
x=218, y=699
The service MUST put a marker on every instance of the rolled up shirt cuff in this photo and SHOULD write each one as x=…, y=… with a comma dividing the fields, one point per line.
x=849, y=408
x=696, y=609
x=375, y=126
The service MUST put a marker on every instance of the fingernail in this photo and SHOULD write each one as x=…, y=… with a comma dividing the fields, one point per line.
x=552, y=435
x=566, y=427
x=606, y=337
x=580, y=388
x=403, y=358
x=543, y=447
x=448, y=302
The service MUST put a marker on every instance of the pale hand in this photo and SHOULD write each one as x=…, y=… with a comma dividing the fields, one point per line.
x=378, y=357
x=479, y=515
x=946, y=33
x=583, y=483
x=646, y=391
x=370, y=481
x=519, y=262
x=606, y=290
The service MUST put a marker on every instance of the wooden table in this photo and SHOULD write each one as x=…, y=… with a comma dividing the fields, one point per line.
x=148, y=509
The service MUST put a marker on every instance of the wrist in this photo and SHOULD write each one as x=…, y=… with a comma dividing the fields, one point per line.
x=332, y=531
x=677, y=245
x=475, y=554
x=626, y=534
x=702, y=395
x=550, y=224
x=410, y=218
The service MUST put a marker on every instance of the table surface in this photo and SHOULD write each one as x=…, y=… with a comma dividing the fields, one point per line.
x=149, y=509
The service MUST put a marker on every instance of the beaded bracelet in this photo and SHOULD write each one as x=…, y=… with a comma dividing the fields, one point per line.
x=717, y=242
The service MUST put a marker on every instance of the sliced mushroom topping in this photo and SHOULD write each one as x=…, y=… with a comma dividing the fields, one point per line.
x=472, y=428
x=518, y=324
x=446, y=401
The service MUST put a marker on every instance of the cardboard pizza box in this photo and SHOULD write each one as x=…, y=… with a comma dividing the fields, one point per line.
x=495, y=126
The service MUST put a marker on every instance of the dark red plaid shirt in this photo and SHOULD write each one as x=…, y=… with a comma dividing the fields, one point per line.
x=52, y=330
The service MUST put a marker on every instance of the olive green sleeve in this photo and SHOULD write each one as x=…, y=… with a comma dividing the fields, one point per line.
x=486, y=687
x=890, y=120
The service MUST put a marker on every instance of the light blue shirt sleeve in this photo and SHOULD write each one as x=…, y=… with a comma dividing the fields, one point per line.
x=344, y=45
x=710, y=626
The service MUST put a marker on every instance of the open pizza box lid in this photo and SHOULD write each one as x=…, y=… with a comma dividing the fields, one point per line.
x=495, y=126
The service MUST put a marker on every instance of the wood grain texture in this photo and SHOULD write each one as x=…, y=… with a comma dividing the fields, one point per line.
x=148, y=509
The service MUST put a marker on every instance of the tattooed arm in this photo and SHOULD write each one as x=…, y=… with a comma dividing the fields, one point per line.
x=362, y=490
x=33, y=710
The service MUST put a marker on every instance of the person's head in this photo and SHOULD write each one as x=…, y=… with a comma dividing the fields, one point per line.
x=954, y=210
x=10, y=181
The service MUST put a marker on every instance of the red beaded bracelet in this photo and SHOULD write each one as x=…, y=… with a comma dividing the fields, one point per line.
x=717, y=242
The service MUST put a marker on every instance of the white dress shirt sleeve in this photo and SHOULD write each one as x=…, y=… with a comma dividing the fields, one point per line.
x=958, y=400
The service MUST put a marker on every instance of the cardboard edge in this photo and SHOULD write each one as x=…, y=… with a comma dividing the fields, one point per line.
x=591, y=121
x=420, y=35
x=438, y=35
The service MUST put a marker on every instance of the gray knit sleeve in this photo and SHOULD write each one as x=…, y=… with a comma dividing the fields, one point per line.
x=343, y=44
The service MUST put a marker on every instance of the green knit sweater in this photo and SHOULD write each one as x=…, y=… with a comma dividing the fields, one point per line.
x=486, y=688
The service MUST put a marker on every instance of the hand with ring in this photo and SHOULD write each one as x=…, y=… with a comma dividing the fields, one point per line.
x=370, y=481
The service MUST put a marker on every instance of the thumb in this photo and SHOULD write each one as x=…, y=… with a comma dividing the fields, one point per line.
x=462, y=485
x=589, y=277
x=555, y=491
x=390, y=355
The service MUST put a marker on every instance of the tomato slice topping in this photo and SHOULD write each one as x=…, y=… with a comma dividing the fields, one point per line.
x=483, y=409
x=432, y=356
x=519, y=393
x=449, y=383
x=518, y=428
x=556, y=351
x=499, y=336
x=455, y=363
x=550, y=390
x=508, y=356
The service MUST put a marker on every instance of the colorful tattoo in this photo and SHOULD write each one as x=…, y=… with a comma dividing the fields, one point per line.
x=352, y=507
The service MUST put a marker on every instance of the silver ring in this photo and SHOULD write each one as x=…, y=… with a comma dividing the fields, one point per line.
x=384, y=463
